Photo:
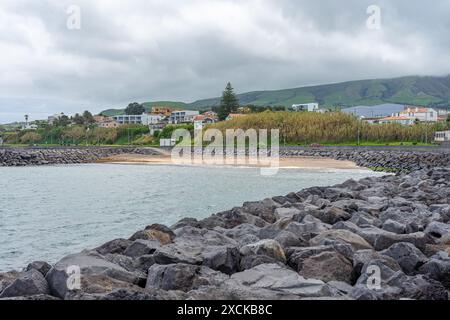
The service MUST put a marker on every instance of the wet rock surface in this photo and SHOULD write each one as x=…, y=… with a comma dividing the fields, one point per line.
x=376, y=238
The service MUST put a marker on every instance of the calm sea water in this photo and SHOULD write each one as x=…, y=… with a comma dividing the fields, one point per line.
x=50, y=211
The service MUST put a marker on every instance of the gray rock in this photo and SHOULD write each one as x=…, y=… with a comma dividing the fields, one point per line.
x=41, y=266
x=141, y=247
x=31, y=283
x=224, y=259
x=262, y=209
x=92, y=267
x=438, y=268
x=267, y=247
x=184, y=277
x=327, y=266
x=287, y=239
x=277, y=278
x=438, y=229
x=309, y=224
x=116, y=246
x=331, y=215
x=341, y=235
x=394, y=226
x=296, y=256
x=407, y=255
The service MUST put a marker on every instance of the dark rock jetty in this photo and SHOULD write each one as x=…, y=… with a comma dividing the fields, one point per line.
x=15, y=157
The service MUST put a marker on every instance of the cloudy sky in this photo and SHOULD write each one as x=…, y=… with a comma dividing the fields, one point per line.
x=146, y=50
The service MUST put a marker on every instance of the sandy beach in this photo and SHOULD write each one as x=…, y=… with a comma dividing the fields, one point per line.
x=291, y=162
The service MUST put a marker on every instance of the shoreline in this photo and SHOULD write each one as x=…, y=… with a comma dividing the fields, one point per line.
x=399, y=159
x=297, y=162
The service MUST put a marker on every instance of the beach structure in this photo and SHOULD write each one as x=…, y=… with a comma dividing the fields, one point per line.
x=310, y=107
x=442, y=137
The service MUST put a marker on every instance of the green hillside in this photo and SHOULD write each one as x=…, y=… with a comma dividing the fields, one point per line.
x=406, y=90
x=412, y=90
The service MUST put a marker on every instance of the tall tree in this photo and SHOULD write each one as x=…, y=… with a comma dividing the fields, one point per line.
x=134, y=109
x=88, y=117
x=77, y=119
x=62, y=121
x=229, y=102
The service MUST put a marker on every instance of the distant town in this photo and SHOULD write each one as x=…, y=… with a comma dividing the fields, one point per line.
x=153, y=127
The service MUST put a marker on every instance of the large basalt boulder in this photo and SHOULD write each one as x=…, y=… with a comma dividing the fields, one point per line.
x=297, y=255
x=93, y=268
x=186, y=222
x=28, y=284
x=263, y=209
x=7, y=278
x=141, y=247
x=420, y=287
x=438, y=229
x=155, y=232
x=201, y=246
x=394, y=226
x=277, y=278
x=309, y=224
x=242, y=233
x=407, y=255
x=287, y=239
x=327, y=266
x=381, y=239
x=224, y=259
x=184, y=277
x=117, y=246
x=438, y=268
x=267, y=247
x=331, y=215
x=345, y=236
x=41, y=266
x=286, y=212
x=161, y=233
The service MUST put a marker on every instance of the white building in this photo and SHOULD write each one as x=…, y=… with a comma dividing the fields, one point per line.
x=151, y=118
x=418, y=113
x=442, y=136
x=310, y=107
x=183, y=116
x=29, y=126
x=128, y=119
x=144, y=119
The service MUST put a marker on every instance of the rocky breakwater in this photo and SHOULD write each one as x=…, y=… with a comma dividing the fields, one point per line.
x=63, y=155
x=394, y=159
x=376, y=238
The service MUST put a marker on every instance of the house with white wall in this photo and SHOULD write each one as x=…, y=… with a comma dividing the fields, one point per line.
x=421, y=114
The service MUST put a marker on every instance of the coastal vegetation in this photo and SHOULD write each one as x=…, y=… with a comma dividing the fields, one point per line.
x=305, y=128
x=81, y=135
x=296, y=128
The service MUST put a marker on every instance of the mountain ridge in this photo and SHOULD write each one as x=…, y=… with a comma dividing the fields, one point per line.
x=410, y=90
